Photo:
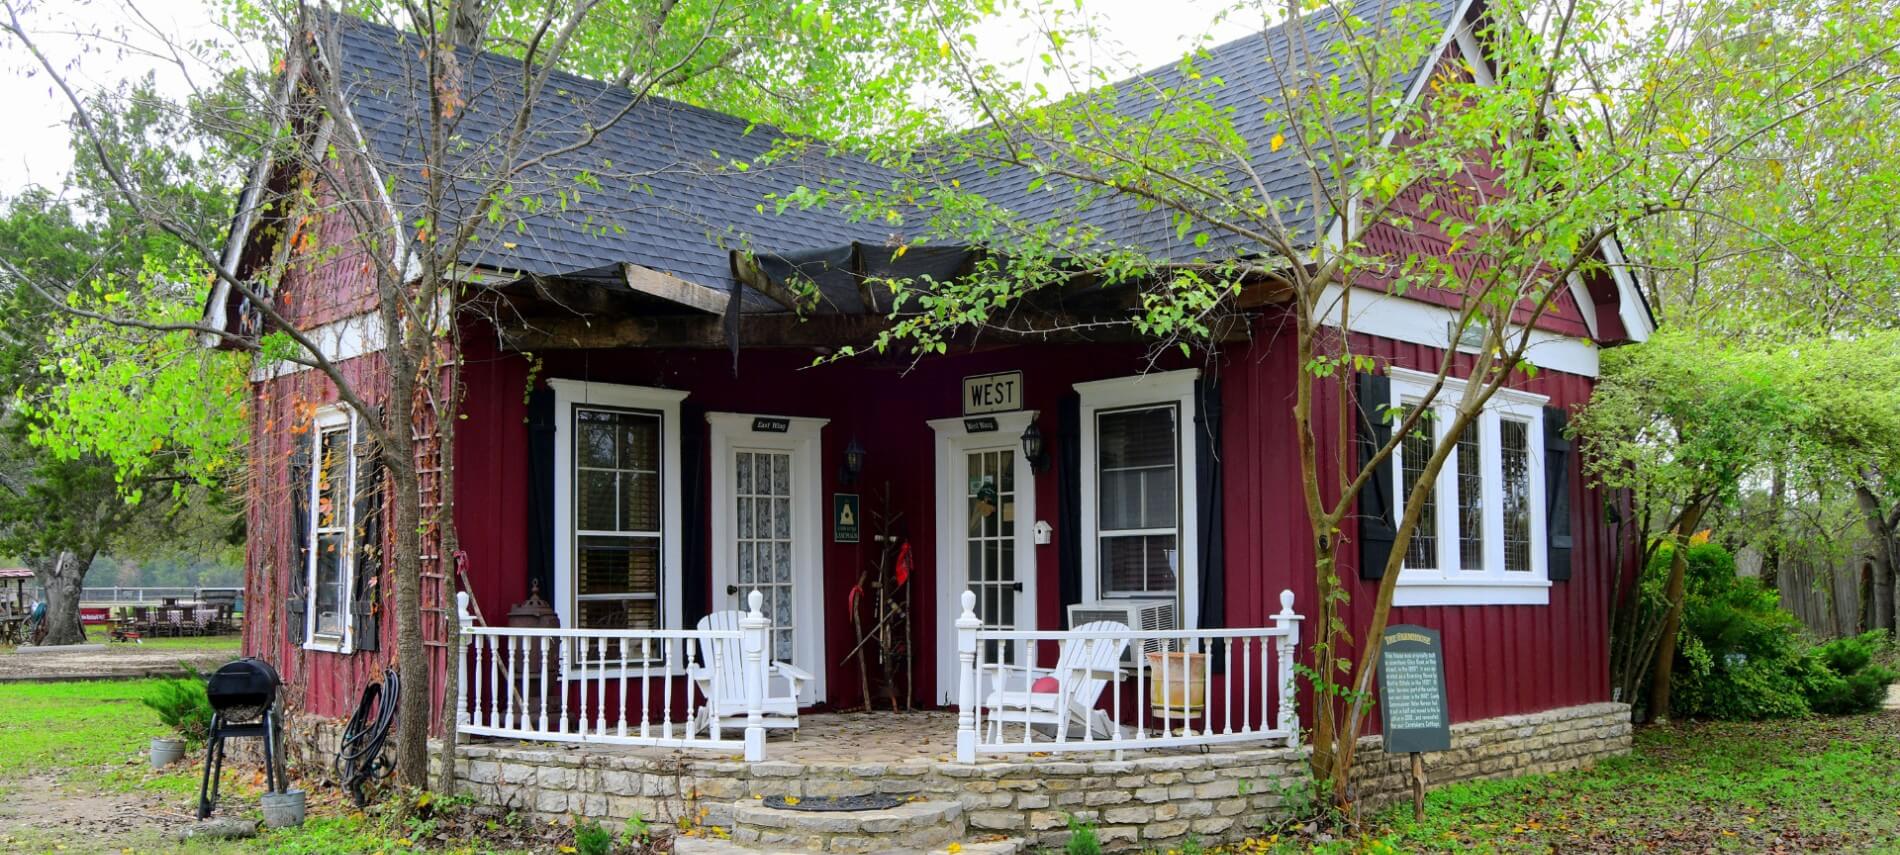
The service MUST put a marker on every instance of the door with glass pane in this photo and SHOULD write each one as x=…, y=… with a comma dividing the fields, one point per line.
x=762, y=504
x=767, y=534
x=985, y=539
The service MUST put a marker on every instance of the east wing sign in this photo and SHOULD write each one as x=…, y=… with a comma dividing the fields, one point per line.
x=993, y=393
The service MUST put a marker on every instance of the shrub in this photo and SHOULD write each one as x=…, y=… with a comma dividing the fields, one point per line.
x=182, y=705
x=591, y=839
x=1082, y=839
x=1742, y=657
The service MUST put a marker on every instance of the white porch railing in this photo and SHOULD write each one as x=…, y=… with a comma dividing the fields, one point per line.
x=613, y=686
x=1088, y=706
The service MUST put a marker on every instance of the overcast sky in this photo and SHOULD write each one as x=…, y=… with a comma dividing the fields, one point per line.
x=33, y=148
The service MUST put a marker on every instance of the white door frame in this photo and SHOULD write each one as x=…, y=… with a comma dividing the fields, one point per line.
x=954, y=443
x=734, y=431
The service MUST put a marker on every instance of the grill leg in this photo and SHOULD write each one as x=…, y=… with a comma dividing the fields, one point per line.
x=213, y=742
x=272, y=778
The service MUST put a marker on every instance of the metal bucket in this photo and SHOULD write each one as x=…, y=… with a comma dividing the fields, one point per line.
x=282, y=810
x=166, y=750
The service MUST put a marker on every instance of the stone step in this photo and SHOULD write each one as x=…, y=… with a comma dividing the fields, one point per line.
x=714, y=846
x=913, y=826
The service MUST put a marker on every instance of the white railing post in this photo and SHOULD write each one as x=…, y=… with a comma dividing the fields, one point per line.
x=967, y=625
x=757, y=630
x=1289, y=624
x=461, y=659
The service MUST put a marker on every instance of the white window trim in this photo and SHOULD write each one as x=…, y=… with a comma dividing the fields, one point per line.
x=569, y=394
x=953, y=438
x=328, y=418
x=1161, y=387
x=731, y=431
x=1492, y=585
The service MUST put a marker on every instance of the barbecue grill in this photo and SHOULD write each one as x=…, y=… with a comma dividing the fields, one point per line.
x=243, y=697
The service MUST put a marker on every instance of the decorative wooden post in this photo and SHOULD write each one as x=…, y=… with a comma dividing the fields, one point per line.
x=1289, y=623
x=466, y=620
x=967, y=625
x=756, y=630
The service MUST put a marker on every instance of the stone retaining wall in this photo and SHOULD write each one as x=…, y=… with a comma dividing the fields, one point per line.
x=1137, y=803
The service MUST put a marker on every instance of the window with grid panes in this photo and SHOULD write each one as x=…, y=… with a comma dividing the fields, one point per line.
x=617, y=528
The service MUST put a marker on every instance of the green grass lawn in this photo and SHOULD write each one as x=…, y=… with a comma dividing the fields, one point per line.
x=85, y=741
x=1812, y=785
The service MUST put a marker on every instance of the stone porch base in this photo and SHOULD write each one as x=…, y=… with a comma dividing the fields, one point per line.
x=1151, y=800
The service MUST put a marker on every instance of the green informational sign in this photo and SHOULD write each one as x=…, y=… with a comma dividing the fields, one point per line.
x=1412, y=705
x=844, y=517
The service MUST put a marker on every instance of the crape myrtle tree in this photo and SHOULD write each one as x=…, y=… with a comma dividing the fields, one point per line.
x=1524, y=168
x=446, y=206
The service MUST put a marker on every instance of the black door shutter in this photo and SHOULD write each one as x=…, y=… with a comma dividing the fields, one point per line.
x=1377, y=526
x=299, y=477
x=1069, y=500
x=1211, y=513
x=695, y=504
x=541, y=489
x=366, y=598
x=1557, y=453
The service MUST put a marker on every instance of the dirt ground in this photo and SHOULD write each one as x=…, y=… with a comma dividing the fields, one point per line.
x=115, y=660
x=41, y=808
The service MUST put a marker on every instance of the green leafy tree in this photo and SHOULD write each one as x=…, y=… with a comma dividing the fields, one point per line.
x=1572, y=132
x=778, y=61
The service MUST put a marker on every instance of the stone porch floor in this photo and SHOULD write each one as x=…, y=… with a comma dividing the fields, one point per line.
x=845, y=739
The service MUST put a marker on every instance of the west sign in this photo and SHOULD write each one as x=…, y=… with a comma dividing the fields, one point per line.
x=993, y=393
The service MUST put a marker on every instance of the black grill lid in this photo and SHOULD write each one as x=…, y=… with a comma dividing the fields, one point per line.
x=247, y=684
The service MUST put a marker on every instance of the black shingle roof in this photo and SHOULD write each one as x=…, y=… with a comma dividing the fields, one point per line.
x=655, y=190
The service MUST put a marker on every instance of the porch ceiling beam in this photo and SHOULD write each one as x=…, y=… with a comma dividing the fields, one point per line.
x=787, y=331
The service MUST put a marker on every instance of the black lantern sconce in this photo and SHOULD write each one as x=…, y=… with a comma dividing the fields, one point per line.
x=1033, y=450
x=853, y=463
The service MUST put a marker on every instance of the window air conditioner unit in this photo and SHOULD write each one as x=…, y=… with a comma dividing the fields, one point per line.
x=1139, y=615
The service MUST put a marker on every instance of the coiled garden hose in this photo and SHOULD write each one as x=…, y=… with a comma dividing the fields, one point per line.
x=360, y=757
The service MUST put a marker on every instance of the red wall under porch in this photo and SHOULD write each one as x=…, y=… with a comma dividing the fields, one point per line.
x=883, y=403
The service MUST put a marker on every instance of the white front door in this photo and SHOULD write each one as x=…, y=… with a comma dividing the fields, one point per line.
x=767, y=531
x=986, y=513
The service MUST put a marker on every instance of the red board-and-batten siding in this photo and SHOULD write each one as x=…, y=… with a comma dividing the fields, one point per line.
x=1500, y=660
x=321, y=285
x=1503, y=659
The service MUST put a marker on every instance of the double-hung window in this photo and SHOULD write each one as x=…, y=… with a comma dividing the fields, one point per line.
x=616, y=505
x=1138, y=511
x=330, y=529
x=1480, y=531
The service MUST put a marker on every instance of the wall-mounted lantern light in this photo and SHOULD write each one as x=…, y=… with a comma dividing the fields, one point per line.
x=1032, y=448
x=853, y=463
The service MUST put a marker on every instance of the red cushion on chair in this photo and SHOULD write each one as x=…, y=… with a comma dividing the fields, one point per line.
x=1045, y=686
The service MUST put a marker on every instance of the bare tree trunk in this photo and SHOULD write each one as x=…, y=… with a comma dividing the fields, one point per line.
x=1882, y=531
x=63, y=578
x=412, y=661
x=1771, y=556
x=1659, y=684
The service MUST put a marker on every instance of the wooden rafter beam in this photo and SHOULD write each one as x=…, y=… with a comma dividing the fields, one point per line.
x=688, y=332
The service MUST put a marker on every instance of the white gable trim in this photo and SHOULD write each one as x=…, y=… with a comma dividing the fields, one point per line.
x=1375, y=312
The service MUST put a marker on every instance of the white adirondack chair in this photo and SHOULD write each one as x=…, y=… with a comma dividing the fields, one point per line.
x=1081, y=672
x=725, y=696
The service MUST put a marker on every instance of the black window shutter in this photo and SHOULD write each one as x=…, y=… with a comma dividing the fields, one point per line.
x=541, y=489
x=299, y=475
x=1209, y=510
x=695, y=503
x=1377, y=526
x=1557, y=454
x=1069, y=500
x=365, y=602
